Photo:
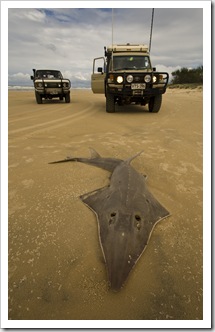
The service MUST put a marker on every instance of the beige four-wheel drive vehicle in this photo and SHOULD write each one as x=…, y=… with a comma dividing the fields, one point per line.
x=127, y=76
x=50, y=84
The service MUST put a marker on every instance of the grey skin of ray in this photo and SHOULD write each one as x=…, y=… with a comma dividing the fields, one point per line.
x=126, y=212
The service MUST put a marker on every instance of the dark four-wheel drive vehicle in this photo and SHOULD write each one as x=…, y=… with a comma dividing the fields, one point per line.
x=50, y=84
x=127, y=76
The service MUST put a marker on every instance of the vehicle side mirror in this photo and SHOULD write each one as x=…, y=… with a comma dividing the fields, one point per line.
x=154, y=68
x=100, y=70
x=32, y=77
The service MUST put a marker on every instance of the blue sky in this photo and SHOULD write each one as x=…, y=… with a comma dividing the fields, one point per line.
x=69, y=38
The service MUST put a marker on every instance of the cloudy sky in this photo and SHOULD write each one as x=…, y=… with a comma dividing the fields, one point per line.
x=69, y=38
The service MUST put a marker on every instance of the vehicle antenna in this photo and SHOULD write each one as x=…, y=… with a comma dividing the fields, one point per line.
x=150, y=41
x=112, y=44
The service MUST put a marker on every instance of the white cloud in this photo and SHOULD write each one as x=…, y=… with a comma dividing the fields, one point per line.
x=19, y=78
x=68, y=39
x=35, y=15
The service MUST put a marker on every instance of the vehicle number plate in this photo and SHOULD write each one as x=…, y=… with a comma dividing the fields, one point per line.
x=138, y=86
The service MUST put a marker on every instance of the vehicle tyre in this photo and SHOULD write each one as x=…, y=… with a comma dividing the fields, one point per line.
x=38, y=98
x=155, y=103
x=67, y=98
x=110, y=103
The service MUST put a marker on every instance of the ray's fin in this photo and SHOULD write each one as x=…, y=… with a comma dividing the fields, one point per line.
x=94, y=153
x=128, y=161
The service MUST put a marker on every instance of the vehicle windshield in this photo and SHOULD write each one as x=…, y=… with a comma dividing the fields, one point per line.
x=48, y=74
x=126, y=62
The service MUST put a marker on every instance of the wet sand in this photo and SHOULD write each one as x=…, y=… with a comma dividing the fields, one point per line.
x=56, y=267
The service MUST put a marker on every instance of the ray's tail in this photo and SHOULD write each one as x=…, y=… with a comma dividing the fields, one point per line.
x=109, y=164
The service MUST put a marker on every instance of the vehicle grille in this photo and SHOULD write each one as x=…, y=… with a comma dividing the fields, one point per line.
x=52, y=85
x=138, y=79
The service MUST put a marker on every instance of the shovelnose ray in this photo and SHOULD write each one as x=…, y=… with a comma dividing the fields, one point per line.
x=126, y=212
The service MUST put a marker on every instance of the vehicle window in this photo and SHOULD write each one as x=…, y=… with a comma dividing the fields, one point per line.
x=130, y=62
x=48, y=74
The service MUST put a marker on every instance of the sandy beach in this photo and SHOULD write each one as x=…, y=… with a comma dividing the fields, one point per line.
x=56, y=266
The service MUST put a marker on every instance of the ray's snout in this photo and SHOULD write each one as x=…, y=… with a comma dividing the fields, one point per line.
x=122, y=245
x=119, y=266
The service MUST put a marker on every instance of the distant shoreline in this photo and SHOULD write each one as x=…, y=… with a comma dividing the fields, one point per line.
x=31, y=88
x=170, y=86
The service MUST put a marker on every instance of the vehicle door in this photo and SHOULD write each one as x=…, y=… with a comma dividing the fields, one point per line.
x=98, y=75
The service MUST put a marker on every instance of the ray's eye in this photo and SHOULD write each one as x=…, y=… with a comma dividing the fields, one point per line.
x=112, y=218
x=138, y=221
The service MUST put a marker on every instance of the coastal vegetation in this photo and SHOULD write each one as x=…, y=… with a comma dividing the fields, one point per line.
x=186, y=76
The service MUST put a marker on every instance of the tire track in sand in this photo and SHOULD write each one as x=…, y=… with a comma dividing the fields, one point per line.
x=66, y=121
x=36, y=115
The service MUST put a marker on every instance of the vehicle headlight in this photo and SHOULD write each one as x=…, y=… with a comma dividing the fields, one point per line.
x=40, y=85
x=160, y=77
x=64, y=85
x=147, y=78
x=119, y=79
x=59, y=85
x=154, y=79
x=129, y=78
x=111, y=78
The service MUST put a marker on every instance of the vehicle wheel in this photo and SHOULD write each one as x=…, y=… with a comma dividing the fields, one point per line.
x=155, y=104
x=38, y=98
x=67, y=98
x=110, y=103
